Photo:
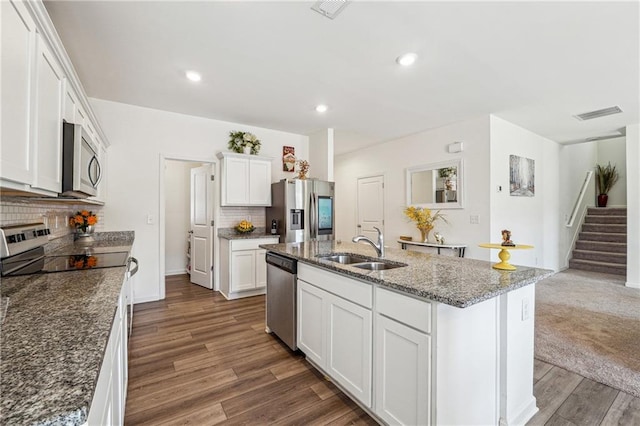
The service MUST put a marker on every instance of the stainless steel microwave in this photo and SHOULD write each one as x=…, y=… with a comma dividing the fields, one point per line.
x=81, y=170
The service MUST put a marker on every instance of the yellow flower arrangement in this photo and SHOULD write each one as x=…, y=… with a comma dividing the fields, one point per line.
x=423, y=219
x=83, y=219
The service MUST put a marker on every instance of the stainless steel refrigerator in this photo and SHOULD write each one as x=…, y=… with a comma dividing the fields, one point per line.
x=302, y=210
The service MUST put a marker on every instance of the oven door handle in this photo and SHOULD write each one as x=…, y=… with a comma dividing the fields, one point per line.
x=133, y=271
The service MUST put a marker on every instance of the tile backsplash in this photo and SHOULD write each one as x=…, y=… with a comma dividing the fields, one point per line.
x=55, y=215
x=231, y=216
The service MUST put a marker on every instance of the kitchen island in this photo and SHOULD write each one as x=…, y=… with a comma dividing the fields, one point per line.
x=56, y=337
x=441, y=340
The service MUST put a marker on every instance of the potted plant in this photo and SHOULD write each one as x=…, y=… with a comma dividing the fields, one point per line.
x=244, y=142
x=424, y=220
x=606, y=177
x=447, y=174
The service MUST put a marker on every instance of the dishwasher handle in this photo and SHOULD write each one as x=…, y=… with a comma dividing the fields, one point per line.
x=281, y=262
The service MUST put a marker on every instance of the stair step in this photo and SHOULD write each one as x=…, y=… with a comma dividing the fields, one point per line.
x=590, y=265
x=602, y=246
x=604, y=227
x=601, y=256
x=603, y=236
x=602, y=218
x=615, y=211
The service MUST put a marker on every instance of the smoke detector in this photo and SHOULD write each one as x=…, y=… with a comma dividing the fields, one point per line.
x=330, y=8
x=599, y=113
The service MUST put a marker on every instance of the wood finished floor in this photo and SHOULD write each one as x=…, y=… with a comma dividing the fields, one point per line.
x=196, y=358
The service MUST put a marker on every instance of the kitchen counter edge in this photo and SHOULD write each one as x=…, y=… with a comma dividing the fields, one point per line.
x=46, y=396
x=450, y=280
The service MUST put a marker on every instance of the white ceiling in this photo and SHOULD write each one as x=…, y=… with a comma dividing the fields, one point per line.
x=269, y=63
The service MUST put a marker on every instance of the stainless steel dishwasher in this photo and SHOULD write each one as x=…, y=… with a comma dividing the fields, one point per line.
x=281, y=298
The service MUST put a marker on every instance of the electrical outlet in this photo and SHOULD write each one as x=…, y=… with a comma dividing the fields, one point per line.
x=474, y=219
x=499, y=188
x=526, y=309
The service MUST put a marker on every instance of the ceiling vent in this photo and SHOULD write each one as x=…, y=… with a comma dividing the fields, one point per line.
x=599, y=113
x=330, y=8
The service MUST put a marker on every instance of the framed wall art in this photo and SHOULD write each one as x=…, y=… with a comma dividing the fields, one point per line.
x=522, y=176
x=288, y=158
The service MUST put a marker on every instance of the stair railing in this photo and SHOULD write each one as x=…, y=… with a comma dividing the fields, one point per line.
x=579, y=210
x=578, y=203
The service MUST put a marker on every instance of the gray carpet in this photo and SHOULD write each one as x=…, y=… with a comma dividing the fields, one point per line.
x=589, y=323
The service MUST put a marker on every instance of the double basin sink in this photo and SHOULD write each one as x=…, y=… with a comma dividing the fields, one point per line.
x=362, y=262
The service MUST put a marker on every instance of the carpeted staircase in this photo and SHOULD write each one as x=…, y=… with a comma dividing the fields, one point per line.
x=602, y=243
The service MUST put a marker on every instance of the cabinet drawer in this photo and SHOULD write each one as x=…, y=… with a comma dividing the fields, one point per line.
x=347, y=288
x=405, y=309
x=251, y=244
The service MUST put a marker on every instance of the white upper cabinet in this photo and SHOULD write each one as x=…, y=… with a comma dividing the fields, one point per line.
x=18, y=52
x=245, y=180
x=38, y=93
x=71, y=104
x=50, y=82
x=260, y=182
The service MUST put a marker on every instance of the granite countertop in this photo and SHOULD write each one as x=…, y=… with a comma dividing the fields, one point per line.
x=232, y=234
x=455, y=281
x=53, y=339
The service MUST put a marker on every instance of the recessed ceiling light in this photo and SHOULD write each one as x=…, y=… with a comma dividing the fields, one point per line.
x=407, y=59
x=193, y=76
x=322, y=108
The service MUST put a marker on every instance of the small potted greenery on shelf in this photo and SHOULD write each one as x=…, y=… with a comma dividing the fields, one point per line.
x=244, y=142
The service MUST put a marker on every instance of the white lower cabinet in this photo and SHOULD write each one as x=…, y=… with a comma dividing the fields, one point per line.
x=402, y=373
x=109, y=397
x=335, y=333
x=312, y=322
x=243, y=270
x=349, y=347
x=432, y=363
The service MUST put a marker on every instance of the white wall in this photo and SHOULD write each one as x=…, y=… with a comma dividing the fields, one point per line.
x=138, y=137
x=614, y=151
x=391, y=160
x=177, y=212
x=633, y=205
x=321, y=155
x=575, y=162
x=532, y=220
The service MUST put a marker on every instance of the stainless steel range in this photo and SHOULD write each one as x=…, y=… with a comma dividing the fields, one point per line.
x=22, y=253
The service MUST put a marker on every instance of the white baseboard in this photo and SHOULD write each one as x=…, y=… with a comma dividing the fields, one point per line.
x=525, y=414
x=632, y=284
x=175, y=272
x=146, y=299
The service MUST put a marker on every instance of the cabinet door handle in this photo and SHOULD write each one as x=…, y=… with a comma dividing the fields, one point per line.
x=133, y=271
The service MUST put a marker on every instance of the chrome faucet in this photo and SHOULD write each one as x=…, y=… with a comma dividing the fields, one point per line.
x=379, y=246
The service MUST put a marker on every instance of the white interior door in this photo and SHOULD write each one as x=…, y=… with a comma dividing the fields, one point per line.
x=202, y=226
x=370, y=206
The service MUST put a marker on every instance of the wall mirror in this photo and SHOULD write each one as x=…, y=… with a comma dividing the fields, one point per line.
x=436, y=186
